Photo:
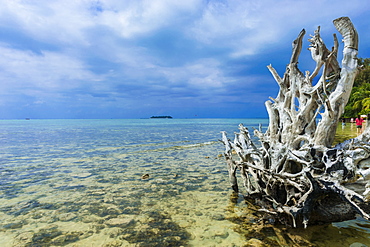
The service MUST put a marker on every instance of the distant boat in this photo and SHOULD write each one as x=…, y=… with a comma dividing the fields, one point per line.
x=160, y=117
x=27, y=118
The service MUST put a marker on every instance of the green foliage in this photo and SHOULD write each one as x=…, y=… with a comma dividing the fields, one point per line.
x=359, y=101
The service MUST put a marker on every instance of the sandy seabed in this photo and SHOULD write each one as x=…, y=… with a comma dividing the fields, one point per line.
x=91, y=202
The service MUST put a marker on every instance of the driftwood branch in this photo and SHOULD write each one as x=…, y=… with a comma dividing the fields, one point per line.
x=296, y=175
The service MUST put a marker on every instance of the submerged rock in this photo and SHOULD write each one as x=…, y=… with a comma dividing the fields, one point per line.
x=13, y=225
x=92, y=218
x=119, y=222
x=49, y=236
x=23, y=239
x=114, y=243
x=218, y=217
x=67, y=216
x=153, y=230
x=66, y=238
x=22, y=207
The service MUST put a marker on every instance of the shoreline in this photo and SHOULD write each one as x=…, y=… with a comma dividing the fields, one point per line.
x=346, y=132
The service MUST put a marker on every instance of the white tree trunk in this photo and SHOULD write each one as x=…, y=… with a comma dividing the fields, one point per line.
x=296, y=173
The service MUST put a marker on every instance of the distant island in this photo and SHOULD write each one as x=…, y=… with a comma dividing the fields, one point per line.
x=160, y=117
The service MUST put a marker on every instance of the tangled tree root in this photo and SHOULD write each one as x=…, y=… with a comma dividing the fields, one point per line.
x=296, y=175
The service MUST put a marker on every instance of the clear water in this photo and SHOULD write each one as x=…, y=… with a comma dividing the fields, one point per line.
x=144, y=182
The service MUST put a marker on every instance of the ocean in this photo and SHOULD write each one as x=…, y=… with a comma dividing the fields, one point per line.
x=139, y=182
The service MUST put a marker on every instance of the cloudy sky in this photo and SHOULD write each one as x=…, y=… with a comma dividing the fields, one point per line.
x=138, y=58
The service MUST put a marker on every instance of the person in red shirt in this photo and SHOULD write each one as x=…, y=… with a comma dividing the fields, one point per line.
x=359, y=121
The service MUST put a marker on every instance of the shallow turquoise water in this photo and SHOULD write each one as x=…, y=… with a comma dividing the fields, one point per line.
x=83, y=183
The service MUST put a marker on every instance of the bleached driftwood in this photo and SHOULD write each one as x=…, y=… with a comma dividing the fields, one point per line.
x=296, y=175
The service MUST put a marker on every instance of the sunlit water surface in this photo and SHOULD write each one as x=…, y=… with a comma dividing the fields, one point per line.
x=145, y=182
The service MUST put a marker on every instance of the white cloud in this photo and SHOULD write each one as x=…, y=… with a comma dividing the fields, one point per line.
x=140, y=17
x=117, y=49
x=67, y=22
x=56, y=22
x=25, y=71
x=248, y=26
x=244, y=26
x=201, y=74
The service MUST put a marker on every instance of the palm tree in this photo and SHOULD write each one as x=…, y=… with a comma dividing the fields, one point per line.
x=365, y=106
x=361, y=99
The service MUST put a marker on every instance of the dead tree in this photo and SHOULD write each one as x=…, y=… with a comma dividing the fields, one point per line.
x=296, y=175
